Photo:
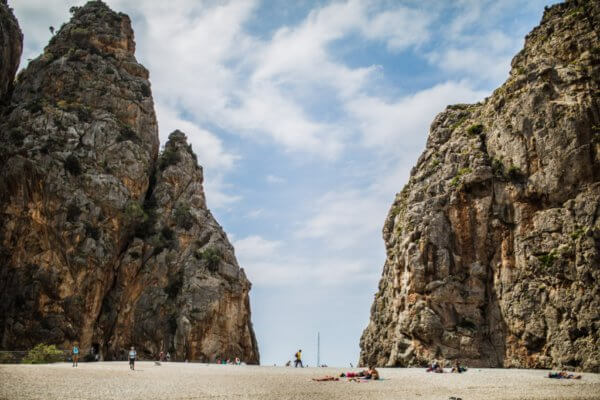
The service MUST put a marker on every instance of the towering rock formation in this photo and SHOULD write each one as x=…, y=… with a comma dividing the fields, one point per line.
x=11, y=45
x=493, y=246
x=103, y=241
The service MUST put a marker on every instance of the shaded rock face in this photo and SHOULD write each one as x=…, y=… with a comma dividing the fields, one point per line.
x=11, y=45
x=103, y=241
x=493, y=246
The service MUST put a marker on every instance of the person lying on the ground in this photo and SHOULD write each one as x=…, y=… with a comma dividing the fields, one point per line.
x=370, y=373
x=563, y=375
x=435, y=367
x=458, y=368
x=326, y=378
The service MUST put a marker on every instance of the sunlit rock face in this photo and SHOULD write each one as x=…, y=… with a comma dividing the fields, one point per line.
x=103, y=240
x=493, y=246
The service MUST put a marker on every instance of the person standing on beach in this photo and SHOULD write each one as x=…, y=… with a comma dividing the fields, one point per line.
x=132, y=356
x=298, y=359
x=75, y=354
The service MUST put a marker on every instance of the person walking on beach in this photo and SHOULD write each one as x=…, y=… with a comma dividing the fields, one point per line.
x=298, y=359
x=132, y=356
x=75, y=354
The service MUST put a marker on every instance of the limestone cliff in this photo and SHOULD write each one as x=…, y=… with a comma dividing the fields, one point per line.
x=493, y=245
x=11, y=45
x=103, y=240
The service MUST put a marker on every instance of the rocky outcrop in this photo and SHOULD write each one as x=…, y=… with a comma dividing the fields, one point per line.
x=179, y=284
x=105, y=242
x=11, y=45
x=493, y=246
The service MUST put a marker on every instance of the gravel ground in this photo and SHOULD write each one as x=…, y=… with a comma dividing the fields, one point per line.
x=114, y=380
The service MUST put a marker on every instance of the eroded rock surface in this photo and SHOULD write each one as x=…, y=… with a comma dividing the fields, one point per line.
x=104, y=241
x=11, y=46
x=493, y=246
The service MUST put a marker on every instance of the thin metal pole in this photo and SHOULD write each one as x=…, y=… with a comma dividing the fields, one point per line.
x=318, y=349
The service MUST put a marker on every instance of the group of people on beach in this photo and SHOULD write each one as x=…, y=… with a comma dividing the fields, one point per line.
x=132, y=356
x=228, y=361
x=162, y=357
x=366, y=374
x=436, y=367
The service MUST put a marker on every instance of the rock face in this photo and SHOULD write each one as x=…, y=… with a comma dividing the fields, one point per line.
x=493, y=246
x=103, y=240
x=11, y=45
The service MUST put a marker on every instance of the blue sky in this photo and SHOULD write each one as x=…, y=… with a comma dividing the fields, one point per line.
x=307, y=117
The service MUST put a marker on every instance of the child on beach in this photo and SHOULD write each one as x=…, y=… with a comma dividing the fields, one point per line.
x=132, y=355
x=75, y=355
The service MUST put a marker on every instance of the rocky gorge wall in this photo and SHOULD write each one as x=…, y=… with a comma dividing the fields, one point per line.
x=11, y=45
x=103, y=240
x=493, y=245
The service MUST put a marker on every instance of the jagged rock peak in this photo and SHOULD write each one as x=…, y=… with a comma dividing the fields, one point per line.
x=11, y=43
x=177, y=137
x=103, y=241
x=493, y=245
x=96, y=28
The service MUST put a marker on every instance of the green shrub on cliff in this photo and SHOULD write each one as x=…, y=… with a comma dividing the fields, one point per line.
x=183, y=217
x=475, y=129
x=141, y=220
x=212, y=257
x=167, y=158
x=547, y=259
x=44, y=354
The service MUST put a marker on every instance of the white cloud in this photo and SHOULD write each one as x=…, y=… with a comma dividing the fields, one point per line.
x=262, y=89
x=207, y=146
x=218, y=191
x=35, y=21
x=274, y=179
x=343, y=219
x=403, y=125
x=479, y=57
x=266, y=108
x=255, y=213
x=400, y=28
x=271, y=263
x=256, y=247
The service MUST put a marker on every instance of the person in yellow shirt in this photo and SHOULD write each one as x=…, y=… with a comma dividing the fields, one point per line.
x=298, y=359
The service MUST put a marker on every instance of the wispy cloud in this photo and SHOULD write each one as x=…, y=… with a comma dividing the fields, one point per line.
x=275, y=179
x=398, y=126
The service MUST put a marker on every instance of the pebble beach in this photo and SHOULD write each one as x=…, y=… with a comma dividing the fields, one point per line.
x=114, y=380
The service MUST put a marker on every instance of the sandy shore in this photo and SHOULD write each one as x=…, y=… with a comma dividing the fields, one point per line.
x=114, y=380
